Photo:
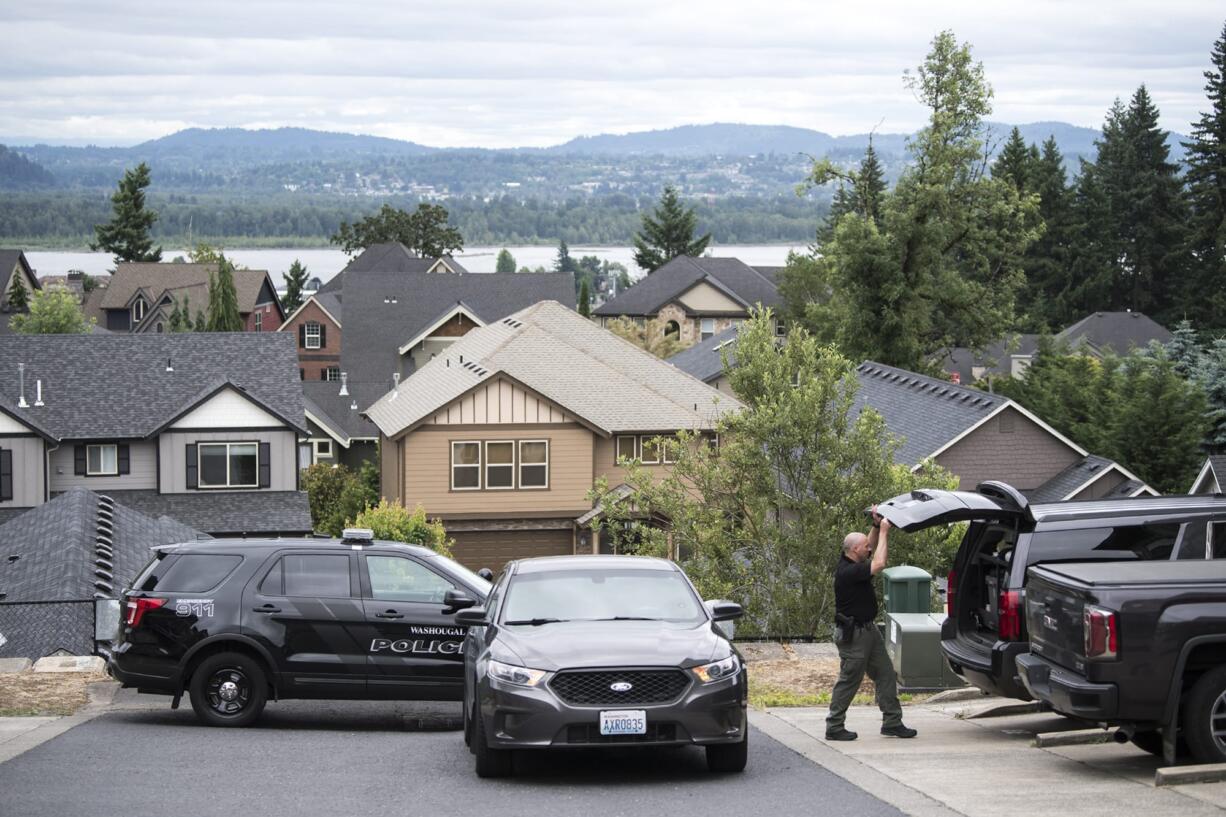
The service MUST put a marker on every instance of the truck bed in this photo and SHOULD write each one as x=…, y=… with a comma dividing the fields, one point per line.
x=1101, y=574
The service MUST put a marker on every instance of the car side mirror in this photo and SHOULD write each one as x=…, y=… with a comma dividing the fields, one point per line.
x=725, y=610
x=457, y=600
x=486, y=574
x=472, y=617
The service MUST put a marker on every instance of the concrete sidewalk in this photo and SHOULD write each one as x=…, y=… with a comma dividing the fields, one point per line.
x=988, y=766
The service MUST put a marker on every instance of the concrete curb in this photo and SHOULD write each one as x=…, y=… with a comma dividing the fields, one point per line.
x=1076, y=737
x=899, y=795
x=1178, y=775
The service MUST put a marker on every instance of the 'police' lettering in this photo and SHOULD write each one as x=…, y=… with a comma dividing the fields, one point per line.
x=418, y=647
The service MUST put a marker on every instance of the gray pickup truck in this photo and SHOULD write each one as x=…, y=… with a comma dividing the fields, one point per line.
x=1137, y=645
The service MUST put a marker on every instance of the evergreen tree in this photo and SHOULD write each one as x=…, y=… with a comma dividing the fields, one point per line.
x=668, y=233
x=181, y=316
x=1184, y=349
x=1202, y=296
x=223, y=300
x=1014, y=163
x=505, y=262
x=18, y=298
x=201, y=323
x=1211, y=375
x=127, y=234
x=585, y=300
x=860, y=192
x=295, y=280
x=563, y=262
x=1047, y=259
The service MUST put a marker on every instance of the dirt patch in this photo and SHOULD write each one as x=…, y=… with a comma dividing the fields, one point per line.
x=45, y=693
x=801, y=676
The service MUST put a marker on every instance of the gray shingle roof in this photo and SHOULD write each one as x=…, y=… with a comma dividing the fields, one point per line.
x=995, y=358
x=338, y=413
x=673, y=279
x=1059, y=487
x=588, y=371
x=925, y=412
x=331, y=301
x=705, y=360
x=228, y=513
x=115, y=386
x=1115, y=331
x=390, y=257
x=378, y=326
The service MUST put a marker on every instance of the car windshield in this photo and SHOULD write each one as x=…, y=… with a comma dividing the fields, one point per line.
x=593, y=595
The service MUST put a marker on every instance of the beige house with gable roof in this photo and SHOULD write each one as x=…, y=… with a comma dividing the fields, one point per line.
x=504, y=434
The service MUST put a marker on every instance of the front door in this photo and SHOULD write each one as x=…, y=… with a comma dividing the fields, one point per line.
x=415, y=650
x=307, y=609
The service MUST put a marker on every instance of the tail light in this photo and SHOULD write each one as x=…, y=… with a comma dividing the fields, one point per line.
x=1009, y=615
x=138, y=607
x=1102, y=637
x=951, y=582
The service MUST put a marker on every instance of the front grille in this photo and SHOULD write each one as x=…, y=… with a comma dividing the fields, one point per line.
x=581, y=733
x=593, y=687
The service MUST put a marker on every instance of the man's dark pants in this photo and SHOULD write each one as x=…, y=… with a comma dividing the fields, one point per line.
x=865, y=653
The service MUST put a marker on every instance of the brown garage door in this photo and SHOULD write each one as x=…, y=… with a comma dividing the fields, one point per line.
x=493, y=549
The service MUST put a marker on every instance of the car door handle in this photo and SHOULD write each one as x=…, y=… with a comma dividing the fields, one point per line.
x=389, y=614
x=267, y=608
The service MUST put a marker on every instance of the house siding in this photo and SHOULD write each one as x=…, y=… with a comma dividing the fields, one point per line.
x=29, y=469
x=1025, y=457
x=426, y=458
x=500, y=401
x=270, y=318
x=1101, y=487
x=314, y=360
x=605, y=456
x=142, y=467
x=172, y=447
x=706, y=298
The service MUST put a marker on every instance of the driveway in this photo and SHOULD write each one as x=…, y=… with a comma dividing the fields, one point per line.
x=336, y=758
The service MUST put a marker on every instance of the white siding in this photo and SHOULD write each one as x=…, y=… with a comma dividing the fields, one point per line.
x=142, y=462
x=10, y=426
x=705, y=297
x=499, y=402
x=283, y=451
x=29, y=467
x=227, y=409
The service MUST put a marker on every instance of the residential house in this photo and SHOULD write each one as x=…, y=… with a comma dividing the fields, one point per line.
x=389, y=314
x=695, y=298
x=1211, y=476
x=503, y=434
x=66, y=564
x=200, y=427
x=13, y=265
x=975, y=434
x=139, y=297
x=73, y=281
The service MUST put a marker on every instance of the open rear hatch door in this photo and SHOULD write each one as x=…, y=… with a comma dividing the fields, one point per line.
x=922, y=509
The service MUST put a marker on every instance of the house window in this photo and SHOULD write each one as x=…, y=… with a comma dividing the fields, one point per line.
x=259, y=321
x=707, y=328
x=322, y=449
x=669, y=450
x=651, y=451
x=500, y=465
x=465, y=466
x=533, y=463
x=160, y=328
x=626, y=449
x=101, y=460
x=312, y=335
x=672, y=328
x=228, y=465
x=138, y=310
x=332, y=373
x=781, y=328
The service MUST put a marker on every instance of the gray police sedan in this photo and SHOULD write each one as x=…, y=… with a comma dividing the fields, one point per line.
x=589, y=651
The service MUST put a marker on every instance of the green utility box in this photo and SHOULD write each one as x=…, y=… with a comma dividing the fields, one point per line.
x=906, y=589
x=913, y=641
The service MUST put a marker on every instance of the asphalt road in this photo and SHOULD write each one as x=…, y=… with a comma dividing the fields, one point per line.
x=402, y=759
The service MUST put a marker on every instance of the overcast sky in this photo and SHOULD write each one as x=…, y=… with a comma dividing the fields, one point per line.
x=539, y=72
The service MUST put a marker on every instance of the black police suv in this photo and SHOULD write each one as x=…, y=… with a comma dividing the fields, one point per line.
x=236, y=622
x=583, y=651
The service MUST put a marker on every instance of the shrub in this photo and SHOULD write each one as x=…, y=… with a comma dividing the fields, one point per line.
x=391, y=520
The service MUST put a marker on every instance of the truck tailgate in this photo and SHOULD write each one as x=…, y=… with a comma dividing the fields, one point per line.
x=1054, y=619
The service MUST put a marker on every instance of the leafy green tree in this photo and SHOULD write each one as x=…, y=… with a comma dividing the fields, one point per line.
x=393, y=522
x=1014, y=163
x=53, y=311
x=127, y=234
x=585, y=300
x=18, y=297
x=295, y=280
x=943, y=267
x=181, y=316
x=424, y=231
x=223, y=300
x=1202, y=295
x=204, y=253
x=505, y=262
x=650, y=336
x=668, y=233
x=761, y=520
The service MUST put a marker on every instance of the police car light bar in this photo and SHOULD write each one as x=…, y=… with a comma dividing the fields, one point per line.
x=357, y=535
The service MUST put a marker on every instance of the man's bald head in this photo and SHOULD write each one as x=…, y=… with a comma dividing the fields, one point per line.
x=852, y=540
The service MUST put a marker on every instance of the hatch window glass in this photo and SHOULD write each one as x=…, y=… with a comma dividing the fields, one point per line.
x=196, y=573
x=397, y=579
x=1119, y=543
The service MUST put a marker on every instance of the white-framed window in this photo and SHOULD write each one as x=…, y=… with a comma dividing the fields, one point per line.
x=332, y=374
x=781, y=328
x=466, y=465
x=228, y=465
x=707, y=328
x=138, y=310
x=312, y=335
x=101, y=460
x=650, y=451
x=627, y=448
x=322, y=449
x=499, y=465
x=259, y=321
x=669, y=450
x=533, y=464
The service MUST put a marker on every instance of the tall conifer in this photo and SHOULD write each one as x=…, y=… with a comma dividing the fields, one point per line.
x=127, y=234
x=1202, y=295
x=668, y=233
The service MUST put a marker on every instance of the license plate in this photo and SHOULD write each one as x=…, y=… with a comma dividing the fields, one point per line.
x=623, y=722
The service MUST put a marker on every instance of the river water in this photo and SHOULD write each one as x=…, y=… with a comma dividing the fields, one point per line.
x=325, y=262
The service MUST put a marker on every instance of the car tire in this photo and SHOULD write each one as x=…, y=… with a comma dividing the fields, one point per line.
x=490, y=762
x=228, y=689
x=1205, y=703
x=729, y=758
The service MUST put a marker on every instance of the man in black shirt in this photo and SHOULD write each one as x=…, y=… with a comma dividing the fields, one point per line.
x=860, y=646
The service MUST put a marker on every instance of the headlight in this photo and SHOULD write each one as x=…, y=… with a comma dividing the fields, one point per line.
x=720, y=670
x=511, y=674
